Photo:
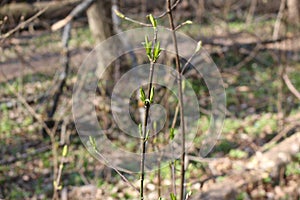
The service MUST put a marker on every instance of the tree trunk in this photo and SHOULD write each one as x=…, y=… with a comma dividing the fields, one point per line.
x=100, y=23
x=293, y=11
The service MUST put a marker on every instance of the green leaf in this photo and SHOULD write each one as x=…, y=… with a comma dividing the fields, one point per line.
x=199, y=46
x=157, y=51
x=147, y=135
x=142, y=95
x=173, y=197
x=92, y=141
x=152, y=20
x=65, y=151
x=148, y=47
x=151, y=94
x=172, y=133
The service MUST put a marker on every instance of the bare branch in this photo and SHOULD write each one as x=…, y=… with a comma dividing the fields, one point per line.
x=22, y=25
x=168, y=11
x=290, y=86
x=179, y=83
x=122, y=16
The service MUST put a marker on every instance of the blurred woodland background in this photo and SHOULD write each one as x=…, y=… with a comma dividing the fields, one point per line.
x=254, y=43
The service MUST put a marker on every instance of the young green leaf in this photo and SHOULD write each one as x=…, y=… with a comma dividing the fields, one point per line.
x=172, y=133
x=147, y=135
x=172, y=196
x=148, y=47
x=92, y=141
x=156, y=51
x=151, y=94
x=198, y=47
x=152, y=20
x=188, y=22
x=142, y=95
x=65, y=151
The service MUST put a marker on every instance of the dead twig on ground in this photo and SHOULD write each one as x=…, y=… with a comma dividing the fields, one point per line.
x=21, y=25
x=290, y=86
x=280, y=135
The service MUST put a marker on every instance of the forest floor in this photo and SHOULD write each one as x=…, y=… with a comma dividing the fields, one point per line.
x=261, y=109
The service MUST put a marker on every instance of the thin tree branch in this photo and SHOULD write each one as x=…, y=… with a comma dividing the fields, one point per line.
x=122, y=16
x=168, y=11
x=290, y=86
x=65, y=62
x=182, y=24
x=179, y=83
x=22, y=25
x=145, y=122
x=116, y=170
x=278, y=20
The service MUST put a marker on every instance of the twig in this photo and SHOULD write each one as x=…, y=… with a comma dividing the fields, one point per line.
x=248, y=58
x=182, y=24
x=63, y=77
x=290, y=86
x=116, y=170
x=279, y=135
x=122, y=16
x=278, y=20
x=179, y=83
x=145, y=122
x=22, y=25
x=187, y=63
x=173, y=174
x=251, y=11
x=168, y=11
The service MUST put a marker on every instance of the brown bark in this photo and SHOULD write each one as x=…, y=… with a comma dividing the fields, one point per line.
x=293, y=11
x=100, y=20
x=100, y=23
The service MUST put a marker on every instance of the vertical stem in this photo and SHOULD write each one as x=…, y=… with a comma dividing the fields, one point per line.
x=159, y=178
x=145, y=123
x=143, y=138
x=179, y=83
